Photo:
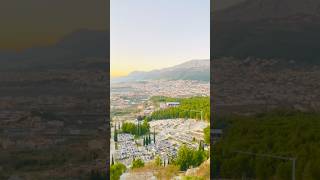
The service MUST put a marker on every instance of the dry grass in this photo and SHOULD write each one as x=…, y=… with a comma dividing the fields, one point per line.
x=201, y=173
x=162, y=173
x=170, y=171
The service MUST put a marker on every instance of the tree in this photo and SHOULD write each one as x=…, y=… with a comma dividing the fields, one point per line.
x=112, y=161
x=134, y=129
x=206, y=132
x=116, y=170
x=154, y=136
x=184, y=157
x=188, y=157
x=183, y=111
x=115, y=134
x=137, y=163
x=140, y=118
x=138, y=129
x=147, y=141
x=144, y=141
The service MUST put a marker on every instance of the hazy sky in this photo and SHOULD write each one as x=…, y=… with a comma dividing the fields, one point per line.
x=152, y=34
x=27, y=23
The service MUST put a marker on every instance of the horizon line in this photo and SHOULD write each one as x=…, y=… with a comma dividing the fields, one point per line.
x=128, y=73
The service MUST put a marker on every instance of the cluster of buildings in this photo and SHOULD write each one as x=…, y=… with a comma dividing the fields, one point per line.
x=129, y=94
x=170, y=135
x=128, y=148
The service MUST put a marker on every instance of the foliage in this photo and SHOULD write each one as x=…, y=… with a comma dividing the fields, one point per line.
x=116, y=170
x=137, y=163
x=158, y=161
x=134, y=129
x=154, y=136
x=281, y=133
x=189, y=108
x=192, y=178
x=188, y=157
x=207, y=135
x=115, y=136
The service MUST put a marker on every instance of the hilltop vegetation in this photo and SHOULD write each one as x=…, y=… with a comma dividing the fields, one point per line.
x=281, y=133
x=136, y=129
x=189, y=108
x=187, y=157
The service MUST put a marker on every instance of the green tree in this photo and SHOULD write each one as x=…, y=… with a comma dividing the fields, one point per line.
x=206, y=132
x=139, y=129
x=115, y=134
x=117, y=170
x=154, y=136
x=189, y=157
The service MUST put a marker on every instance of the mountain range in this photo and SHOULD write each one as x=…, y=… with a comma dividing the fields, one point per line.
x=190, y=70
x=285, y=29
x=73, y=50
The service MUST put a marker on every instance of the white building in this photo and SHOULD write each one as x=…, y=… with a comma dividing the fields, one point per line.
x=172, y=104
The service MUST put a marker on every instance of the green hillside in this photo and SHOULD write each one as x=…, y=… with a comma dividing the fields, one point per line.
x=287, y=134
x=189, y=108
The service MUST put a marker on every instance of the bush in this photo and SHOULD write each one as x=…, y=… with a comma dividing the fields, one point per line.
x=137, y=163
x=117, y=170
x=189, y=157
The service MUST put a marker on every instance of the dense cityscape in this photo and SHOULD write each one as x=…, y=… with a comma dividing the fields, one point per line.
x=136, y=137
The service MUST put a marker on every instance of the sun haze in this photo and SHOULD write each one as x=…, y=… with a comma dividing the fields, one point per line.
x=146, y=35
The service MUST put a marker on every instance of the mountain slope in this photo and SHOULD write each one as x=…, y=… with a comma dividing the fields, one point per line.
x=252, y=10
x=191, y=70
x=69, y=52
x=286, y=29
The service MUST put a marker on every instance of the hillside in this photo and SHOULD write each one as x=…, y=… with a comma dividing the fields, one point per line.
x=190, y=70
x=72, y=51
x=268, y=29
x=279, y=133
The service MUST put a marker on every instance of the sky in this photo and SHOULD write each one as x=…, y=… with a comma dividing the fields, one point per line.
x=30, y=23
x=153, y=34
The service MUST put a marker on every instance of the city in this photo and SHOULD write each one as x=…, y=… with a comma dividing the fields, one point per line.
x=136, y=103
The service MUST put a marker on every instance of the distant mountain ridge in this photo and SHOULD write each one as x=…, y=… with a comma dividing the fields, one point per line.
x=69, y=52
x=251, y=10
x=286, y=29
x=190, y=70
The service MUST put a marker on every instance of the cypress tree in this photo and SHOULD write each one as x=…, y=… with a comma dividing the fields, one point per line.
x=154, y=136
x=147, y=141
x=144, y=141
x=115, y=134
